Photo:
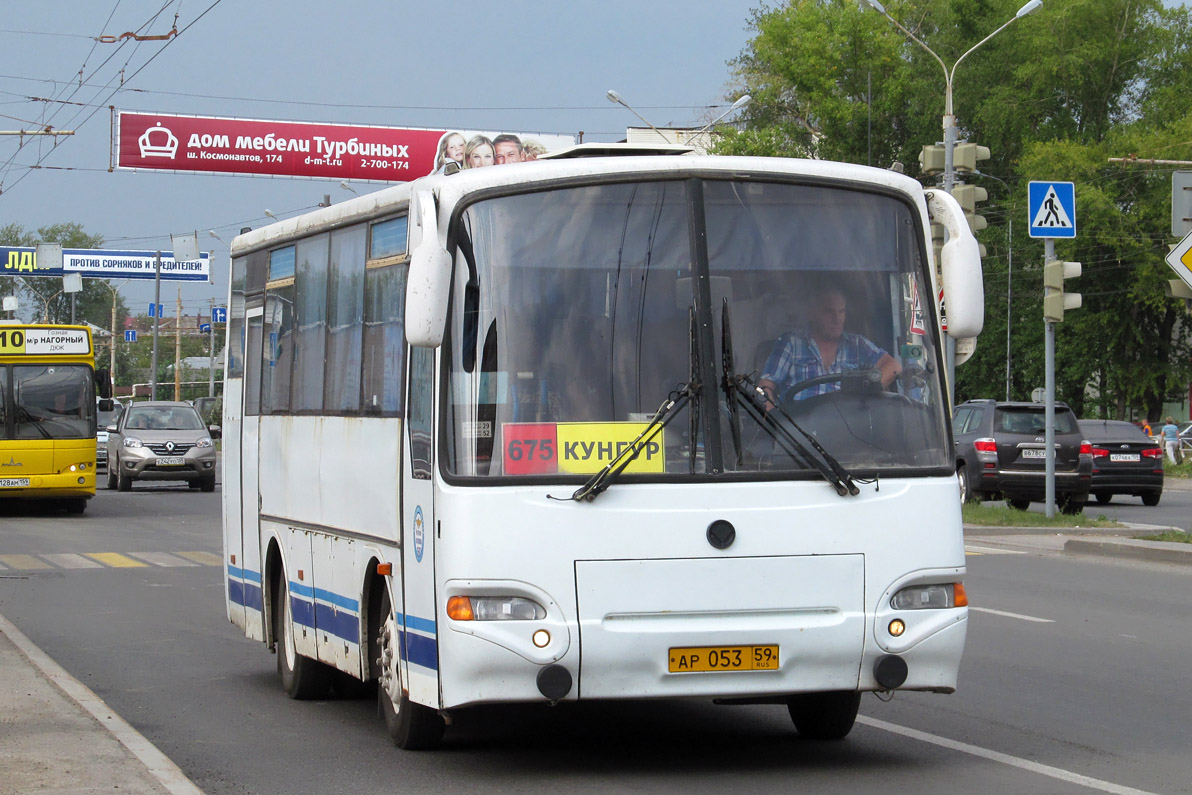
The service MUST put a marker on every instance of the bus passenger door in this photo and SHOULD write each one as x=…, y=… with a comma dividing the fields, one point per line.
x=248, y=486
x=420, y=657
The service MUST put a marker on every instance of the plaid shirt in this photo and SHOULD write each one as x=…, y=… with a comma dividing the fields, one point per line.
x=796, y=358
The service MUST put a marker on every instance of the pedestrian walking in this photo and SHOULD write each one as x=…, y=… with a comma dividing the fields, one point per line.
x=1171, y=440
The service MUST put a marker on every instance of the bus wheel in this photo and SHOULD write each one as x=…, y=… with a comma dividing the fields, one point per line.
x=413, y=727
x=824, y=716
x=76, y=506
x=301, y=677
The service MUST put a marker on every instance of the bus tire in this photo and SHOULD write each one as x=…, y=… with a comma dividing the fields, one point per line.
x=413, y=727
x=824, y=716
x=76, y=505
x=301, y=677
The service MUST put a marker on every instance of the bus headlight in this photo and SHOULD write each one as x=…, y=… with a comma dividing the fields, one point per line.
x=132, y=442
x=494, y=608
x=928, y=597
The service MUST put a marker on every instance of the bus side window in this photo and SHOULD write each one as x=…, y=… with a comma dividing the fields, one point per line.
x=420, y=413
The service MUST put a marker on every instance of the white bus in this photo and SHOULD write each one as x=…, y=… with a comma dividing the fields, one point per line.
x=500, y=437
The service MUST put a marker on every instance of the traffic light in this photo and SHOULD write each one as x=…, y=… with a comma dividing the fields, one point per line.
x=967, y=197
x=931, y=160
x=1055, y=300
x=966, y=156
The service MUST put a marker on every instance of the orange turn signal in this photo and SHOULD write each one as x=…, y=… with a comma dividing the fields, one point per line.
x=385, y=568
x=459, y=608
x=961, y=597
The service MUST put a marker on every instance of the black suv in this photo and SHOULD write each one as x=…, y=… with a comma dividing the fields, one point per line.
x=1000, y=454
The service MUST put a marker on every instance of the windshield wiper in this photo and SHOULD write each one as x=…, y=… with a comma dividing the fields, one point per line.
x=742, y=389
x=604, y=478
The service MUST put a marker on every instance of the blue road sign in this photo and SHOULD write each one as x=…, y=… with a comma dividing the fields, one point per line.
x=204, y=328
x=130, y=335
x=1052, y=209
x=219, y=314
x=159, y=310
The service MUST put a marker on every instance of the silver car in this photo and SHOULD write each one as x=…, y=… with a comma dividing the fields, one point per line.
x=161, y=440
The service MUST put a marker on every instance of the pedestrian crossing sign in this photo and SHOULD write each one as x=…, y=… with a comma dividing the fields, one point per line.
x=1052, y=209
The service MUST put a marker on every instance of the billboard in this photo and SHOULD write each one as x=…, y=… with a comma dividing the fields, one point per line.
x=105, y=264
x=217, y=145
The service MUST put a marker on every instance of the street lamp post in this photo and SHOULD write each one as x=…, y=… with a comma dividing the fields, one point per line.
x=741, y=102
x=949, y=121
x=613, y=96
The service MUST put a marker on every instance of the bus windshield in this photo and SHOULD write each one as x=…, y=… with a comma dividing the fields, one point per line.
x=49, y=402
x=578, y=311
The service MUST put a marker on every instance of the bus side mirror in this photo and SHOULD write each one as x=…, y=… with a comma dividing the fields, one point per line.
x=105, y=404
x=429, y=282
x=103, y=384
x=960, y=267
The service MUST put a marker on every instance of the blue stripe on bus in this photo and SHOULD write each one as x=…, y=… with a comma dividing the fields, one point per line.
x=244, y=588
x=340, y=624
x=303, y=612
x=420, y=650
x=299, y=589
x=247, y=575
x=414, y=622
x=337, y=600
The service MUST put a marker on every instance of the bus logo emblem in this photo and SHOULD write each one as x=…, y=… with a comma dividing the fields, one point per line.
x=418, y=533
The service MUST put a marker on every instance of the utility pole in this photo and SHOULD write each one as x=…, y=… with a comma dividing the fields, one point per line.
x=211, y=351
x=178, y=348
x=112, y=345
x=156, y=325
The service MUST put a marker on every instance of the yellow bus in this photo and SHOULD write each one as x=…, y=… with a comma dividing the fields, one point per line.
x=48, y=402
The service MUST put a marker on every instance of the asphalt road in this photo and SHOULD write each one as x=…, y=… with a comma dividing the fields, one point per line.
x=1074, y=680
x=1174, y=509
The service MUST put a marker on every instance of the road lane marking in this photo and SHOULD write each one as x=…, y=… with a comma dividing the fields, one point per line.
x=975, y=549
x=115, y=560
x=158, y=765
x=164, y=559
x=1057, y=773
x=203, y=558
x=1019, y=616
x=71, y=561
x=25, y=562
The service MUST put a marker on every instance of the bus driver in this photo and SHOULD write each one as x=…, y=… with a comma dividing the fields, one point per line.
x=824, y=347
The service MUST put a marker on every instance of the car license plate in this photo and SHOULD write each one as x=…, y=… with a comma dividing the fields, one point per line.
x=1124, y=457
x=13, y=483
x=1031, y=453
x=723, y=658
x=173, y=461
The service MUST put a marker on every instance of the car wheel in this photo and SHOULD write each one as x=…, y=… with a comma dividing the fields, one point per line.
x=966, y=487
x=413, y=727
x=123, y=480
x=1103, y=497
x=1072, y=505
x=824, y=716
x=1151, y=498
x=1019, y=505
x=207, y=484
x=112, y=478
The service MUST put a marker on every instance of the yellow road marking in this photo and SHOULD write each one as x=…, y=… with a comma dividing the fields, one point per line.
x=115, y=560
x=203, y=558
x=25, y=562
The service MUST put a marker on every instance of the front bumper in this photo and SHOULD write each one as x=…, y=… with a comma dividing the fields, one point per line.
x=142, y=464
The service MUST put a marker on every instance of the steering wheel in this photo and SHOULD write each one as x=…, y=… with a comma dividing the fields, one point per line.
x=869, y=380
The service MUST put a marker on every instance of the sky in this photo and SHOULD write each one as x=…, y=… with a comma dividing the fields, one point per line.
x=517, y=65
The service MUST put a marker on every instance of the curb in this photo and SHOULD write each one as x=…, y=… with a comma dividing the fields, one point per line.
x=1154, y=551
x=158, y=765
